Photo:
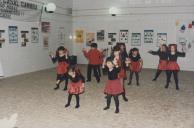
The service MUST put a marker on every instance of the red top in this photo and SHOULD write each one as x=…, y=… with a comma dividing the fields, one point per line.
x=94, y=56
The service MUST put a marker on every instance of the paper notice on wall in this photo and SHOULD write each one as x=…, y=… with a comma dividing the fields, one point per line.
x=184, y=36
x=123, y=36
x=161, y=39
x=20, y=10
x=100, y=35
x=79, y=36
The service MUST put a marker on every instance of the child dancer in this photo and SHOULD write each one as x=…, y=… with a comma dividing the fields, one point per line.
x=76, y=87
x=135, y=65
x=124, y=55
x=163, y=55
x=94, y=57
x=116, y=55
x=173, y=67
x=63, y=62
x=113, y=87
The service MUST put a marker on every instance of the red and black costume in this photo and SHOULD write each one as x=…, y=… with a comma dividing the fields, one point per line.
x=135, y=66
x=75, y=88
x=173, y=67
x=121, y=63
x=163, y=62
x=113, y=88
x=94, y=57
x=62, y=67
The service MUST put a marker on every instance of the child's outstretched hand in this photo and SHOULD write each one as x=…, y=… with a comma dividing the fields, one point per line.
x=127, y=62
x=51, y=54
x=104, y=64
x=83, y=50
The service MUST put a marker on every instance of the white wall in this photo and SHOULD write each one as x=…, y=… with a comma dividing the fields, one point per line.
x=18, y=60
x=93, y=16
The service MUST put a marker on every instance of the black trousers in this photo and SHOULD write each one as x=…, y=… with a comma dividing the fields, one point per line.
x=77, y=99
x=124, y=92
x=99, y=70
x=61, y=78
x=158, y=72
x=175, y=73
x=89, y=71
x=116, y=99
x=131, y=76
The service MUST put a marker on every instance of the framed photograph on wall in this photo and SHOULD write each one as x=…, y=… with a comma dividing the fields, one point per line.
x=148, y=36
x=45, y=27
x=112, y=38
x=100, y=35
x=13, y=34
x=90, y=38
x=34, y=35
x=79, y=36
x=123, y=36
x=136, y=39
x=46, y=41
x=24, y=38
x=161, y=39
x=2, y=39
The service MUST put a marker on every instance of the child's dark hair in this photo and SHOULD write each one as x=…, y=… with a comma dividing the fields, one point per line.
x=109, y=59
x=133, y=50
x=75, y=69
x=164, y=45
x=60, y=48
x=114, y=49
x=121, y=44
x=94, y=45
x=172, y=45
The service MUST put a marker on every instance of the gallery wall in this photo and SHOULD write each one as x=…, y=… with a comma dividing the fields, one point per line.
x=91, y=16
x=16, y=59
x=162, y=18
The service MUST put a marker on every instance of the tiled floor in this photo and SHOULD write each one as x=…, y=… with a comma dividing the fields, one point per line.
x=32, y=97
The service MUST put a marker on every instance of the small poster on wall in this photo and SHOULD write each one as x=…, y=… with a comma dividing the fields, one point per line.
x=148, y=36
x=2, y=39
x=24, y=38
x=45, y=27
x=45, y=40
x=112, y=38
x=13, y=34
x=161, y=39
x=90, y=38
x=34, y=35
x=61, y=35
x=123, y=36
x=136, y=39
x=79, y=36
x=100, y=35
x=184, y=35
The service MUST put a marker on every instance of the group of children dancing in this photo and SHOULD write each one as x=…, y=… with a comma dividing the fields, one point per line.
x=116, y=66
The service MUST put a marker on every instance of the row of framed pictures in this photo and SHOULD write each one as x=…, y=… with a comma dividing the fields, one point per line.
x=123, y=37
x=148, y=38
x=13, y=36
